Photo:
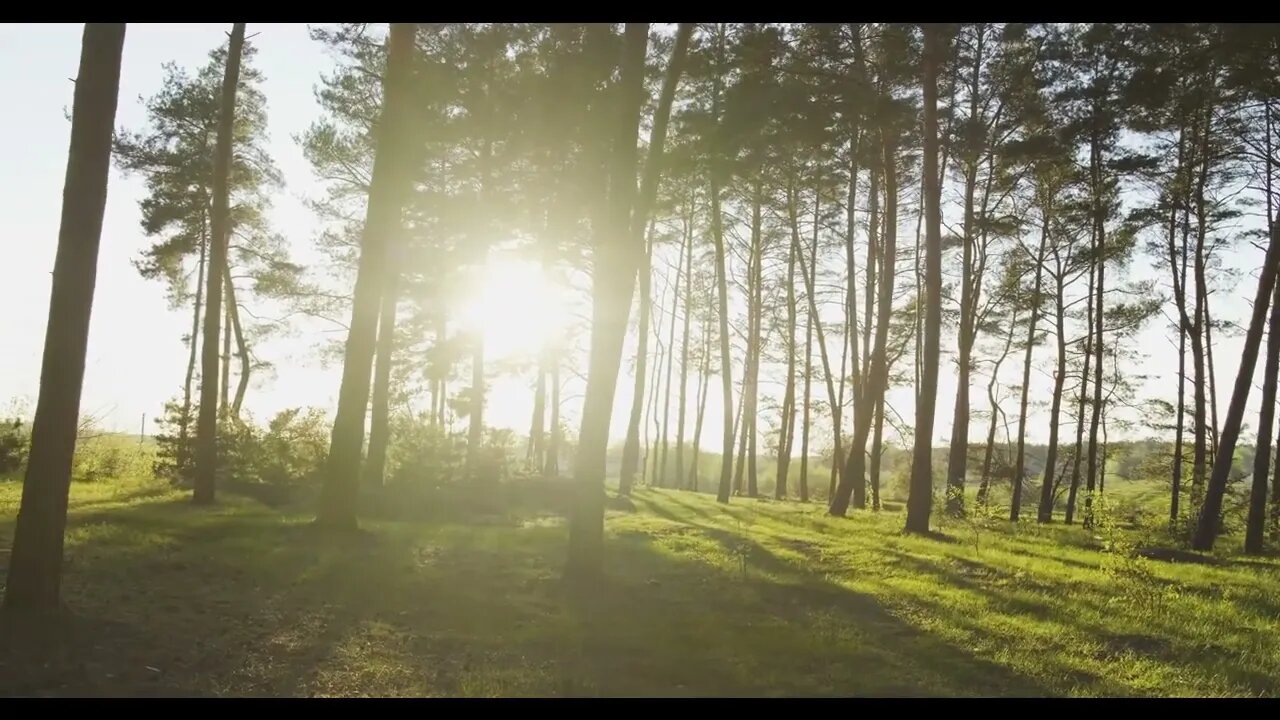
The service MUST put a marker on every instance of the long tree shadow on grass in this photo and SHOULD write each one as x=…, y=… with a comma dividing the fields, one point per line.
x=170, y=599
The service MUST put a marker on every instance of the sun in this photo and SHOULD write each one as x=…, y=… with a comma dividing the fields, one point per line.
x=516, y=307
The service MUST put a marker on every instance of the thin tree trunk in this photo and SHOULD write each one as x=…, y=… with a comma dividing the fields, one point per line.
x=387, y=190
x=1100, y=232
x=242, y=350
x=920, y=499
x=184, y=425
x=551, y=470
x=808, y=356
x=631, y=446
x=1019, y=460
x=959, y=450
x=1045, y=511
x=537, y=440
x=224, y=387
x=207, y=425
x=1084, y=398
x=380, y=423
x=787, y=432
x=684, y=348
x=722, y=285
x=704, y=387
x=984, y=487
x=34, y=581
x=877, y=452
x=666, y=398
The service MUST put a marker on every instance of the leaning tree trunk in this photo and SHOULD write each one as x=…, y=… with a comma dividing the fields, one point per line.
x=242, y=349
x=619, y=247
x=1209, y=524
x=631, y=446
x=920, y=498
x=207, y=426
x=375, y=464
x=387, y=191
x=224, y=387
x=877, y=374
x=988, y=453
x=34, y=582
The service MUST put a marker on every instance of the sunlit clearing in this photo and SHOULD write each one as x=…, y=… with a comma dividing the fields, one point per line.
x=516, y=306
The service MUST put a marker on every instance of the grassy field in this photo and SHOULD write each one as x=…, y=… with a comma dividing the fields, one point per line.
x=456, y=594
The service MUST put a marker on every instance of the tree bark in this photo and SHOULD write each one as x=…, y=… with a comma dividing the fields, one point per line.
x=387, y=190
x=1045, y=511
x=704, y=387
x=666, y=398
x=184, y=425
x=380, y=423
x=1019, y=459
x=877, y=375
x=631, y=446
x=1100, y=257
x=920, y=499
x=1084, y=398
x=787, y=431
x=684, y=347
x=242, y=350
x=207, y=425
x=34, y=582
x=1209, y=524
x=618, y=250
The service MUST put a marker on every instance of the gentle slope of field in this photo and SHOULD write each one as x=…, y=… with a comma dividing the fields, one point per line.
x=460, y=595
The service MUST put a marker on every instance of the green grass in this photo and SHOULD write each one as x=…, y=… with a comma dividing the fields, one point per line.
x=458, y=593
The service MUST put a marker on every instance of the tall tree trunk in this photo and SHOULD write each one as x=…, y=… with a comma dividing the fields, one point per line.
x=1179, y=276
x=380, y=423
x=722, y=286
x=809, y=318
x=920, y=499
x=666, y=398
x=631, y=446
x=808, y=271
x=207, y=426
x=184, y=424
x=1209, y=524
x=388, y=188
x=877, y=374
x=787, y=431
x=958, y=455
x=618, y=255
x=1045, y=511
x=34, y=582
x=1084, y=399
x=1019, y=459
x=874, y=241
x=1100, y=257
x=684, y=348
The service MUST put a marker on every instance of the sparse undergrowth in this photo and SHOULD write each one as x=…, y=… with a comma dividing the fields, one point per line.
x=759, y=598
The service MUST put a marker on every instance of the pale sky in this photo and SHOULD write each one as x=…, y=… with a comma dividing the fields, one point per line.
x=136, y=359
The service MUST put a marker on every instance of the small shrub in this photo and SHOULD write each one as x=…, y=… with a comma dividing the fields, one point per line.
x=15, y=443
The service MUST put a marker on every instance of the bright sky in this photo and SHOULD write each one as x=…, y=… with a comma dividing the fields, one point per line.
x=136, y=358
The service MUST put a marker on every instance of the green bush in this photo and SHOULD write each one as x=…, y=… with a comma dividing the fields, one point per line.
x=423, y=454
x=15, y=442
x=293, y=447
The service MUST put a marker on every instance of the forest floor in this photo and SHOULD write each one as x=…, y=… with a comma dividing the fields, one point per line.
x=451, y=595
